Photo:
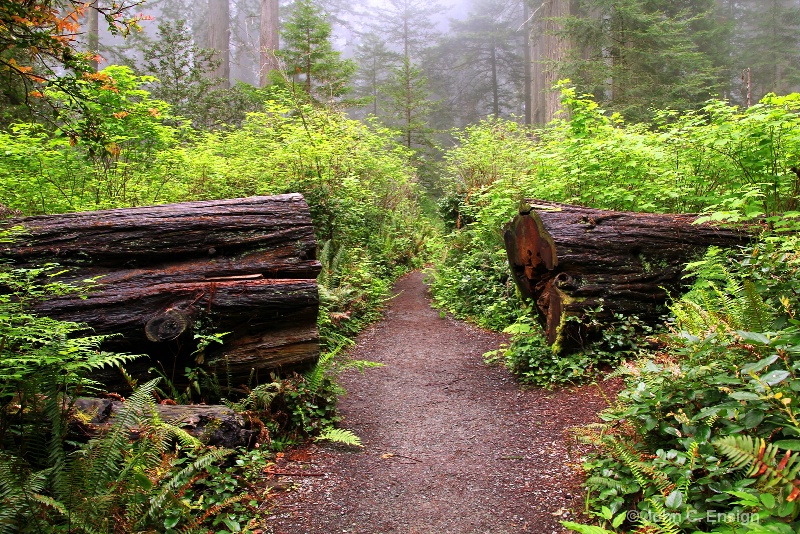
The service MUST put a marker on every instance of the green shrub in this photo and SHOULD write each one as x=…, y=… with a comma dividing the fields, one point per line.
x=729, y=379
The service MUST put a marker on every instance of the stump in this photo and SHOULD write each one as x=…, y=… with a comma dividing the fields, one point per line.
x=572, y=261
x=166, y=277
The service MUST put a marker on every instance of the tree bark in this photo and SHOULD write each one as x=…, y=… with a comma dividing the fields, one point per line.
x=164, y=275
x=219, y=36
x=547, y=50
x=573, y=261
x=268, y=39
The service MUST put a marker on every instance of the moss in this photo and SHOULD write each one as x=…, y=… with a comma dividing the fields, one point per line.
x=566, y=300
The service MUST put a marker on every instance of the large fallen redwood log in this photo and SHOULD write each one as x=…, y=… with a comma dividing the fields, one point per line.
x=169, y=273
x=572, y=261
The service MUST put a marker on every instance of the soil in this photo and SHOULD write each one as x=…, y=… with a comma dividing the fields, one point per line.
x=451, y=445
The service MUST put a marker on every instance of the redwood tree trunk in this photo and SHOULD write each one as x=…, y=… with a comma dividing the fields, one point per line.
x=219, y=35
x=268, y=39
x=572, y=260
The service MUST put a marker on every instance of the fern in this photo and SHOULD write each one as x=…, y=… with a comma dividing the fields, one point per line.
x=340, y=435
x=316, y=374
x=665, y=523
x=585, y=529
x=759, y=457
x=644, y=473
x=18, y=488
x=720, y=301
x=259, y=398
x=183, y=478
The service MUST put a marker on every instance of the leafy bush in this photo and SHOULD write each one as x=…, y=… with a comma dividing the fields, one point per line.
x=695, y=434
x=533, y=361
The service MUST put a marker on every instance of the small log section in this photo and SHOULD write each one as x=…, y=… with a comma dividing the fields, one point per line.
x=571, y=260
x=164, y=274
x=211, y=424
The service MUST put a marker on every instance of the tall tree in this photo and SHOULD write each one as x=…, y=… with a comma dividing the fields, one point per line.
x=635, y=55
x=375, y=62
x=408, y=25
x=181, y=68
x=93, y=34
x=308, y=55
x=408, y=104
x=549, y=47
x=482, y=58
x=269, y=39
x=219, y=37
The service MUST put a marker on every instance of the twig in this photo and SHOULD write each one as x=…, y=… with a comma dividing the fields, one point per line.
x=296, y=474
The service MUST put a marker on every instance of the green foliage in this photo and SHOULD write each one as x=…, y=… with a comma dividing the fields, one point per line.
x=339, y=435
x=112, y=483
x=759, y=457
x=639, y=56
x=735, y=164
x=308, y=55
x=181, y=68
x=120, y=158
x=727, y=384
x=39, y=54
x=182, y=72
x=477, y=287
x=43, y=363
x=407, y=104
x=534, y=361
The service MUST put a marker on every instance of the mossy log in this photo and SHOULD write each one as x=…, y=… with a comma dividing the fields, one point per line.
x=572, y=261
x=211, y=424
x=165, y=276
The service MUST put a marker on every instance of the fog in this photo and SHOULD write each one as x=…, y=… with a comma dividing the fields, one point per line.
x=482, y=58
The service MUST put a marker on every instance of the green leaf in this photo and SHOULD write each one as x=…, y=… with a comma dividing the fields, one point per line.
x=585, y=529
x=775, y=377
x=789, y=444
x=674, y=500
x=754, y=337
x=745, y=499
x=753, y=418
x=744, y=395
x=767, y=500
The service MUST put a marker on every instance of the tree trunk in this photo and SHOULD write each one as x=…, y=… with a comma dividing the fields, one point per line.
x=168, y=277
x=526, y=47
x=268, y=39
x=219, y=36
x=572, y=261
x=547, y=50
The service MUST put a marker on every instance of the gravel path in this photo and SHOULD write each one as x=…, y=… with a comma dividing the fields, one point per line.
x=450, y=445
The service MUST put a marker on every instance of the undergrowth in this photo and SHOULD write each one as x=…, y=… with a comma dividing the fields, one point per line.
x=705, y=435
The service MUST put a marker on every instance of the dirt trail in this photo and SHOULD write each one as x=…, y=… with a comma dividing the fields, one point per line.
x=450, y=445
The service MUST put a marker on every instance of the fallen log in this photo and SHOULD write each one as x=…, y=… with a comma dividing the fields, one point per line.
x=167, y=277
x=211, y=424
x=573, y=261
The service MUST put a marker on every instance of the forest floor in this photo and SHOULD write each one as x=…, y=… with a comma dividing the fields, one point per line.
x=451, y=445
